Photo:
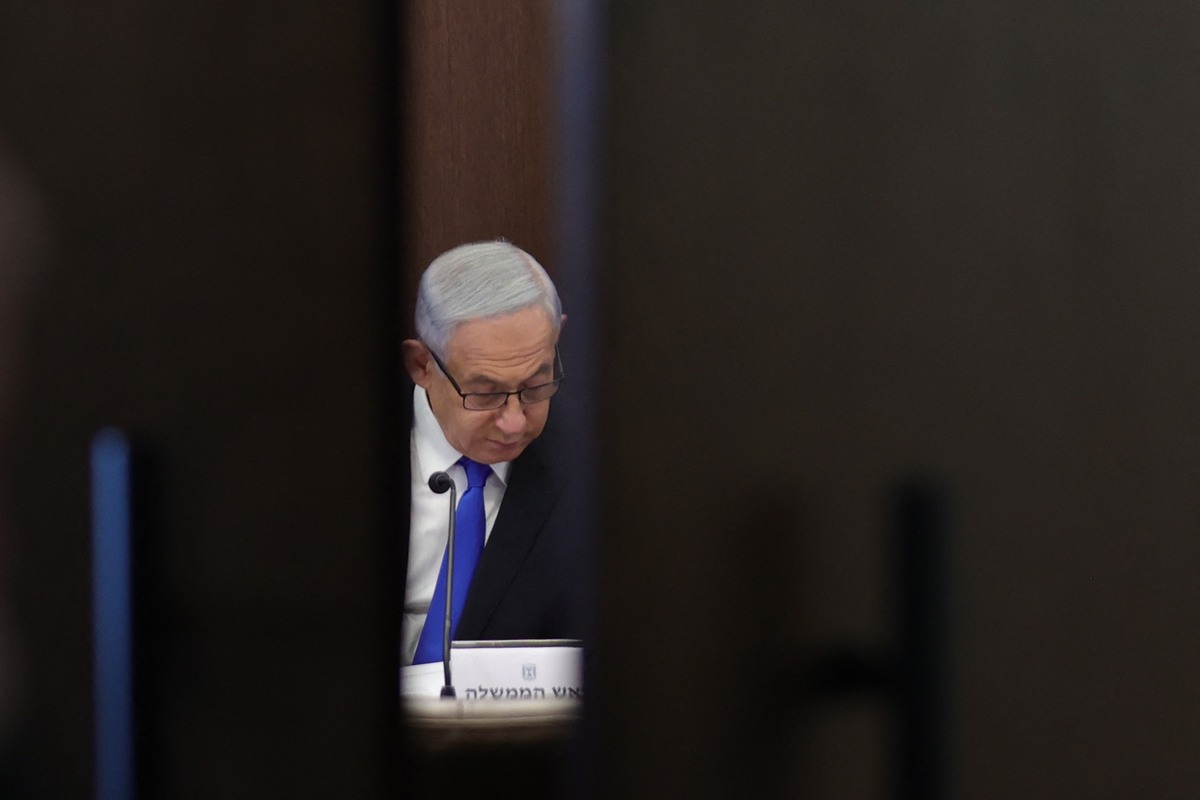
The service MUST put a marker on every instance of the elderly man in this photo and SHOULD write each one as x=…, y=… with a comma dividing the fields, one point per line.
x=485, y=366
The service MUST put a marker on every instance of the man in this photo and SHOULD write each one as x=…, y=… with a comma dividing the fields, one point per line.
x=484, y=366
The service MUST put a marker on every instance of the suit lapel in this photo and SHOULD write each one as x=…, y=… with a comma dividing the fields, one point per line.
x=532, y=492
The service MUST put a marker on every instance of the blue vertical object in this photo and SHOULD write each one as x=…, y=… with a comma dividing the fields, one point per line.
x=468, y=547
x=112, y=613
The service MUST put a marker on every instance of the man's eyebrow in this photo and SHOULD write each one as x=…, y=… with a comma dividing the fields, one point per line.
x=488, y=381
x=479, y=380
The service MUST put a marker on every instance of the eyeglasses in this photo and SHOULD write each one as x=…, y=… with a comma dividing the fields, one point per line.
x=490, y=401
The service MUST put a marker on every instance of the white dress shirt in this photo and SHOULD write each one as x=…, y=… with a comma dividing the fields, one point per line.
x=429, y=452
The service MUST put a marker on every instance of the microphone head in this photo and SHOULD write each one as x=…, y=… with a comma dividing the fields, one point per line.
x=440, y=482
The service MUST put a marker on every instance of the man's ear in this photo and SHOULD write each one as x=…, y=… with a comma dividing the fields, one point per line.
x=562, y=323
x=417, y=362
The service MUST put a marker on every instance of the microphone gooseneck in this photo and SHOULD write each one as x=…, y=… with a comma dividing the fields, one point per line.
x=440, y=483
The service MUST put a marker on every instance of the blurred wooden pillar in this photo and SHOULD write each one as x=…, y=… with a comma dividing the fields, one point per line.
x=219, y=278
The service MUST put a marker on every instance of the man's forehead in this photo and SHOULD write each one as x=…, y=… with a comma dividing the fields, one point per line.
x=521, y=336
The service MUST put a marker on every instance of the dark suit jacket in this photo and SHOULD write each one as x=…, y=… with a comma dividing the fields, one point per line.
x=528, y=582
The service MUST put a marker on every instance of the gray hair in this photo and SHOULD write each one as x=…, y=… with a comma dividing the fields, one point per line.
x=476, y=281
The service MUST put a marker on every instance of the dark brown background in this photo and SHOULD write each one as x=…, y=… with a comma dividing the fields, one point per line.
x=478, y=146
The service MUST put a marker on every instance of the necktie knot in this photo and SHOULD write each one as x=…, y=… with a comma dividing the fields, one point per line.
x=477, y=474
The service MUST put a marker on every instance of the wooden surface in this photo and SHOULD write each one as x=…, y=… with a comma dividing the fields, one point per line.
x=479, y=128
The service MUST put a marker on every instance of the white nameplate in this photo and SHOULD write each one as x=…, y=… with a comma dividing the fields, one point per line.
x=535, y=669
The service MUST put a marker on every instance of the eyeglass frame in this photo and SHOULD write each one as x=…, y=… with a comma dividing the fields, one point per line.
x=558, y=371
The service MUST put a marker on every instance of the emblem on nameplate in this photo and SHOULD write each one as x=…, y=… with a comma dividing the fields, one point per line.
x=529, y=672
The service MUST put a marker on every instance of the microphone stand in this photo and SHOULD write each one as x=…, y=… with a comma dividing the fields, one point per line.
x=439, y=483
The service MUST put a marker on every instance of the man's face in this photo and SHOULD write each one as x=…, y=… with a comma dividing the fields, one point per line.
x=501, y=354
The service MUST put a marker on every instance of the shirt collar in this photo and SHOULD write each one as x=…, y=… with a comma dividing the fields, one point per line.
x=434, y=453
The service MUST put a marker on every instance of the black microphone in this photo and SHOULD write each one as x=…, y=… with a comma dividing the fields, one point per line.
x=439, y=483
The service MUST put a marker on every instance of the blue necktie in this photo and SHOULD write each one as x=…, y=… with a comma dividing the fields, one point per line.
x=468, y=546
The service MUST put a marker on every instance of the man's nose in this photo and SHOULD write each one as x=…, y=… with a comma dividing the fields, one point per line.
x=512, y=415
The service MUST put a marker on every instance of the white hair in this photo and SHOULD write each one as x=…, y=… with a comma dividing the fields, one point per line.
x=477, y=281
